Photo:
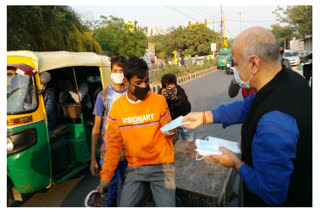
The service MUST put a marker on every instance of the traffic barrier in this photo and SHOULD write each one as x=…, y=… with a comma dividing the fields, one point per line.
x=155, y=88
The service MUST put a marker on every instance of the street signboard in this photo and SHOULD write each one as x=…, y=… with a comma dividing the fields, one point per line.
x=213, y=47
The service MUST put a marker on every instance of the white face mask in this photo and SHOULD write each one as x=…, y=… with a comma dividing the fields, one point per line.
x=173, y=124
x=210, y=146
x=117, y=78
x=238, y=80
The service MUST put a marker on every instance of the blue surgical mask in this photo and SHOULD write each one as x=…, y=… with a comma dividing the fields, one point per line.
x=238, y=80
x=231, y=145
x=210, y=146
x=173, y=124
x=206, y=148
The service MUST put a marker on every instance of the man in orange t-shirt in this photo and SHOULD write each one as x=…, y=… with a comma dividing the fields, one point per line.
x=134, y=123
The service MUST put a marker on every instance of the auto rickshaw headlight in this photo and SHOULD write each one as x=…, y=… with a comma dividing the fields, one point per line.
x=20, y=140
x=10, y=145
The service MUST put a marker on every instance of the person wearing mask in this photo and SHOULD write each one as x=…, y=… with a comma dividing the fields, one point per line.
x=134, y=123
x=49, y=98
x=102, y=107
x=276, y=133
x=177, y=101
x=234, y=87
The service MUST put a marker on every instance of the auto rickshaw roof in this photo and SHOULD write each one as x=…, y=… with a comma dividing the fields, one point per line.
x=45, y=61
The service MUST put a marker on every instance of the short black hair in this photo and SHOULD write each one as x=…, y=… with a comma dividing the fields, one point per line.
x=117, y=60
x=281, y=51
x=135, y=66
x=169, y=78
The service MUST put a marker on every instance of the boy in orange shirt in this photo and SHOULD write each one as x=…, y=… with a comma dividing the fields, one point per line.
x=134, y=124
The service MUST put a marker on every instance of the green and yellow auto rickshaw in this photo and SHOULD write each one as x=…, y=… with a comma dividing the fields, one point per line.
x=37, y=157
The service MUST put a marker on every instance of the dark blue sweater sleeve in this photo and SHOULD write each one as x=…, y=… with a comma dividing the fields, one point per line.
x=273, y=150
x=233, y=113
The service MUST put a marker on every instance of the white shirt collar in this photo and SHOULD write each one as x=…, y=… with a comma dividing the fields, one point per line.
x=131, y=101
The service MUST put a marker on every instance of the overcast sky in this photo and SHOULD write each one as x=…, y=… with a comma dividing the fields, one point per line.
x=236, y=17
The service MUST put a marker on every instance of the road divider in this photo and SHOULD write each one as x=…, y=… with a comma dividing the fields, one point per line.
x=156, y=87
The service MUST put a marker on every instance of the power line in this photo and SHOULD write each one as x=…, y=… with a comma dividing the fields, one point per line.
x=182, y=13
x=200, y=17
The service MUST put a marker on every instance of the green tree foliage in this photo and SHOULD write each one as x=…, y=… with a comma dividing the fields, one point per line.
x=298, y=18
x=188, y=41
x=117, y=38
x=283, y=34
x=47, y=28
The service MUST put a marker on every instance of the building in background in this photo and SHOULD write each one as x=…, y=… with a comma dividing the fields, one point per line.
x=308, y=43
x=154, y=31
x=296, y=45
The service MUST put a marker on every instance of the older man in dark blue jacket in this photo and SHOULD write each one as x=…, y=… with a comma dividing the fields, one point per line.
x=276, y=134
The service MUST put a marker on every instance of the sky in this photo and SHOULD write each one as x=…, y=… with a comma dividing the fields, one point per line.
x=237, y=18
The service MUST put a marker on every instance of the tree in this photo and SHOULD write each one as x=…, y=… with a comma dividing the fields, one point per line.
x=299, y=18
x=283, y=34
x=188, y=41
x=117, y=38
x=47, y=28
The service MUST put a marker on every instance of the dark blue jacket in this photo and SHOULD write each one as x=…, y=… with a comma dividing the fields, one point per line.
x=269, y=179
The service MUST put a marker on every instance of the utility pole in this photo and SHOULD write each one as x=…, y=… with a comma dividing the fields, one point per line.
x=221, y=24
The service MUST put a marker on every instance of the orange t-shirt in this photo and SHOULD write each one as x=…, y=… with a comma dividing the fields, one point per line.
x=135, y=127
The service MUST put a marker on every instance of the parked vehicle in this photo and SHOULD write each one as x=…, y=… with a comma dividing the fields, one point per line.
x=36, y=157
x=304, y=56
x=292, y=57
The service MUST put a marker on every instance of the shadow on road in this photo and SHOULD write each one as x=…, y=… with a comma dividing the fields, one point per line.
x=76, y=196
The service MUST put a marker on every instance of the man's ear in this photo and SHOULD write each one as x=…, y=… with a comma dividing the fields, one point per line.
x=255, y=63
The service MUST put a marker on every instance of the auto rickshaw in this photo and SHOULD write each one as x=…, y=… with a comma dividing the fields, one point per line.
x=37, y=157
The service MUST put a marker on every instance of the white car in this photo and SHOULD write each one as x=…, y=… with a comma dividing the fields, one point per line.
x=292, y=57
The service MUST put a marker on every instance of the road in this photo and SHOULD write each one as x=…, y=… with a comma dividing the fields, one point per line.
x=206, y=92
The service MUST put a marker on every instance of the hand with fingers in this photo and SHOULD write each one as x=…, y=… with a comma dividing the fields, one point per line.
x=195, y=120
x=169, y=133
x=164, y=93
x=94, y=168
x=228, y=159
x=102, y=188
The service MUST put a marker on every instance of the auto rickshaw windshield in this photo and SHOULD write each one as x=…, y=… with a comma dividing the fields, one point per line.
x=21, y=93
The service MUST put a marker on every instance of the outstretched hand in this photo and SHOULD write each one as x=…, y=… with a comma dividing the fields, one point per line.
x=195, y=120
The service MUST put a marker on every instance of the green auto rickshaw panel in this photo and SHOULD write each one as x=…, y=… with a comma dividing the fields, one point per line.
x=79, y=145
x=30, y=170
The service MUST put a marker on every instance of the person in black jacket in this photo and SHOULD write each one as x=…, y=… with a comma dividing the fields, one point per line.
x=177, y=101
x=49, y=99
x=276, y=134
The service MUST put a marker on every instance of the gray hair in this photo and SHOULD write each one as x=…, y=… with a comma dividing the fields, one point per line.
x=260, y=42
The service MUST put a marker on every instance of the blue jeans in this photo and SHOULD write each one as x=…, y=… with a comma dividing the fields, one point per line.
x=186, y=136
x=111, y=195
